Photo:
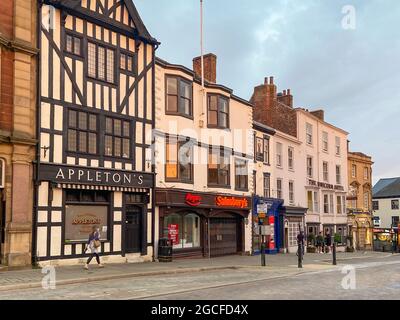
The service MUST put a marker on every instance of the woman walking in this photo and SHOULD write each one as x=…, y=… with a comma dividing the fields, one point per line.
x=93, y=244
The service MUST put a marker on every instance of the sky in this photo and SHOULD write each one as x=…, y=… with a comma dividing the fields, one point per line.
x=352, y=72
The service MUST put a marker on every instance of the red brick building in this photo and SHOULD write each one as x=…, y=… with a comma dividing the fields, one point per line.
x=17, y=128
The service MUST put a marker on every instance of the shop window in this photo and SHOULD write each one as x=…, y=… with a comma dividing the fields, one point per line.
x=117, y=138
x=84, y=210
x=241, y=175
x=82, y=132
x=179, y=96
x=183, y=230
x=341, y=232
x=218, y=111
x=218, y=168
x=179, y=160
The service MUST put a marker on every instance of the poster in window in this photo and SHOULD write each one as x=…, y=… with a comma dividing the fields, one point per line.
x=173, y=233
x=80, y=220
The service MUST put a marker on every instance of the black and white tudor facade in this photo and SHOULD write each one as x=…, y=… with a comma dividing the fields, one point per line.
x=96, y=97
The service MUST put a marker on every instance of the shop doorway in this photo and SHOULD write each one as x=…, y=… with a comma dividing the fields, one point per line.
x=133, y=229
x=224, y=235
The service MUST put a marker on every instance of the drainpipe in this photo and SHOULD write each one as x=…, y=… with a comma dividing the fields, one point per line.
x=38, y=103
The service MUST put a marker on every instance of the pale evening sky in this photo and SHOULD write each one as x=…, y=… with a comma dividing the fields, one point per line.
x=353, y=74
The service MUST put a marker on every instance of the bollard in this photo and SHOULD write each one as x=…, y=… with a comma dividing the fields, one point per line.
x=263, y=264
x=334, y=254
x=299, y=256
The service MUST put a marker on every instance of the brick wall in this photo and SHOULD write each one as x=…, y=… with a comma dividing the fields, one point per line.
x=271, y=111
x=6, y=89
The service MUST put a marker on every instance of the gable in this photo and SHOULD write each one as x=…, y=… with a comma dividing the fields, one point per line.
x=121, y=14
x=112, y=9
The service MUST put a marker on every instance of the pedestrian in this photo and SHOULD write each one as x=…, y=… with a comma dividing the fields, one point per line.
x=93, y=244
x=320, y=242
x=328, y=242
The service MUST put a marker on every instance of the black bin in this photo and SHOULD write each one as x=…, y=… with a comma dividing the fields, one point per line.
x=165, y=250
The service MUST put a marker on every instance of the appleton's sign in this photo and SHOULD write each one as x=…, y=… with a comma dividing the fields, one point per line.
x=233, y=202
x=95, y=176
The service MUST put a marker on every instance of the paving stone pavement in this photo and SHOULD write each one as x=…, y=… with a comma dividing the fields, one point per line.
x=30, y=278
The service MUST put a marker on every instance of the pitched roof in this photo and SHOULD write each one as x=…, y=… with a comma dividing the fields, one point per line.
x=387, y=188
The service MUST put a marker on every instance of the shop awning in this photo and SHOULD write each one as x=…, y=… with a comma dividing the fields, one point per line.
x=105, y=188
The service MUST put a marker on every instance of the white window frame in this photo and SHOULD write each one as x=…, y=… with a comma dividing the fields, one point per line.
x=325, y=173
x=309, y=133
x=279, y=155
x=310, y=170
x=316, y=201
x=337, y=146
x=291, y=192
x=338, y=175
x=279, y=191
x=291, y=158
x=331, y=204
x=325, y=141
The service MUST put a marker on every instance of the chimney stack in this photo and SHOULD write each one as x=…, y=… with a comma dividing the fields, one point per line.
x=210, y=67
x=286, y=98
x=320, y=114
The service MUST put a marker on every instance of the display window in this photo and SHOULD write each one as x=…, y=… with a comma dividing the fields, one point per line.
x=83, y=211
x=183, y=230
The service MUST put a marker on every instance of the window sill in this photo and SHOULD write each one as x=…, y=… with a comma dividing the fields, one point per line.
x=219, y=128
x=178, y=181
x=177, y=114
x=216, y=186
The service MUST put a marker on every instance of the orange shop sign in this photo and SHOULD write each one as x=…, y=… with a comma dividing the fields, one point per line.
x=234, y=202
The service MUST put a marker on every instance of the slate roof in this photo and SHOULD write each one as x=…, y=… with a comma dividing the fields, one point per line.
x=386, y=188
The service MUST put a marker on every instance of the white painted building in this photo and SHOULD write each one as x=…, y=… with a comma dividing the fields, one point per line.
x=385, y=203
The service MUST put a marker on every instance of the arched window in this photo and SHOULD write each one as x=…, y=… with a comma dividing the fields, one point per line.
x=183, y=229
x=2, y=173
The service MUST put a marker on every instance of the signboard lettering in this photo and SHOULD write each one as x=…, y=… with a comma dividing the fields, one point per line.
x=97, y=176
x=193, y=200
x=232, y=202
x=173, y=233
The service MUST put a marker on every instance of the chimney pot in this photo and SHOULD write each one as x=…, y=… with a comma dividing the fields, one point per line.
x=266, y=80
x=271, y=80
x=284, y=92
x=288, y=92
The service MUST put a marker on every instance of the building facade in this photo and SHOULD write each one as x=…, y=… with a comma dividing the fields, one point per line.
x=325, y=159
x=204, y=160
x=18, y=53
x=287, y=167
x=359, y=200
x=96, y=106
x=310, y=164
x=385, y=203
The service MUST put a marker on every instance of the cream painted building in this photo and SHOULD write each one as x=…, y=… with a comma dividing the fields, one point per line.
x=204, y=159
x=324, y=163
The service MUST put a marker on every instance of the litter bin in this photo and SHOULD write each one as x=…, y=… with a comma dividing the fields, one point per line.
x=165, y=250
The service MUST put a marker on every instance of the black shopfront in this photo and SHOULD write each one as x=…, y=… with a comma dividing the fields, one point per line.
x=79, y=198
x=202, y=224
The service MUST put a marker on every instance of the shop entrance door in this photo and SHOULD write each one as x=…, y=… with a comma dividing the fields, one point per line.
x=133, y=229
x=362, y=235
x=223, y=236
